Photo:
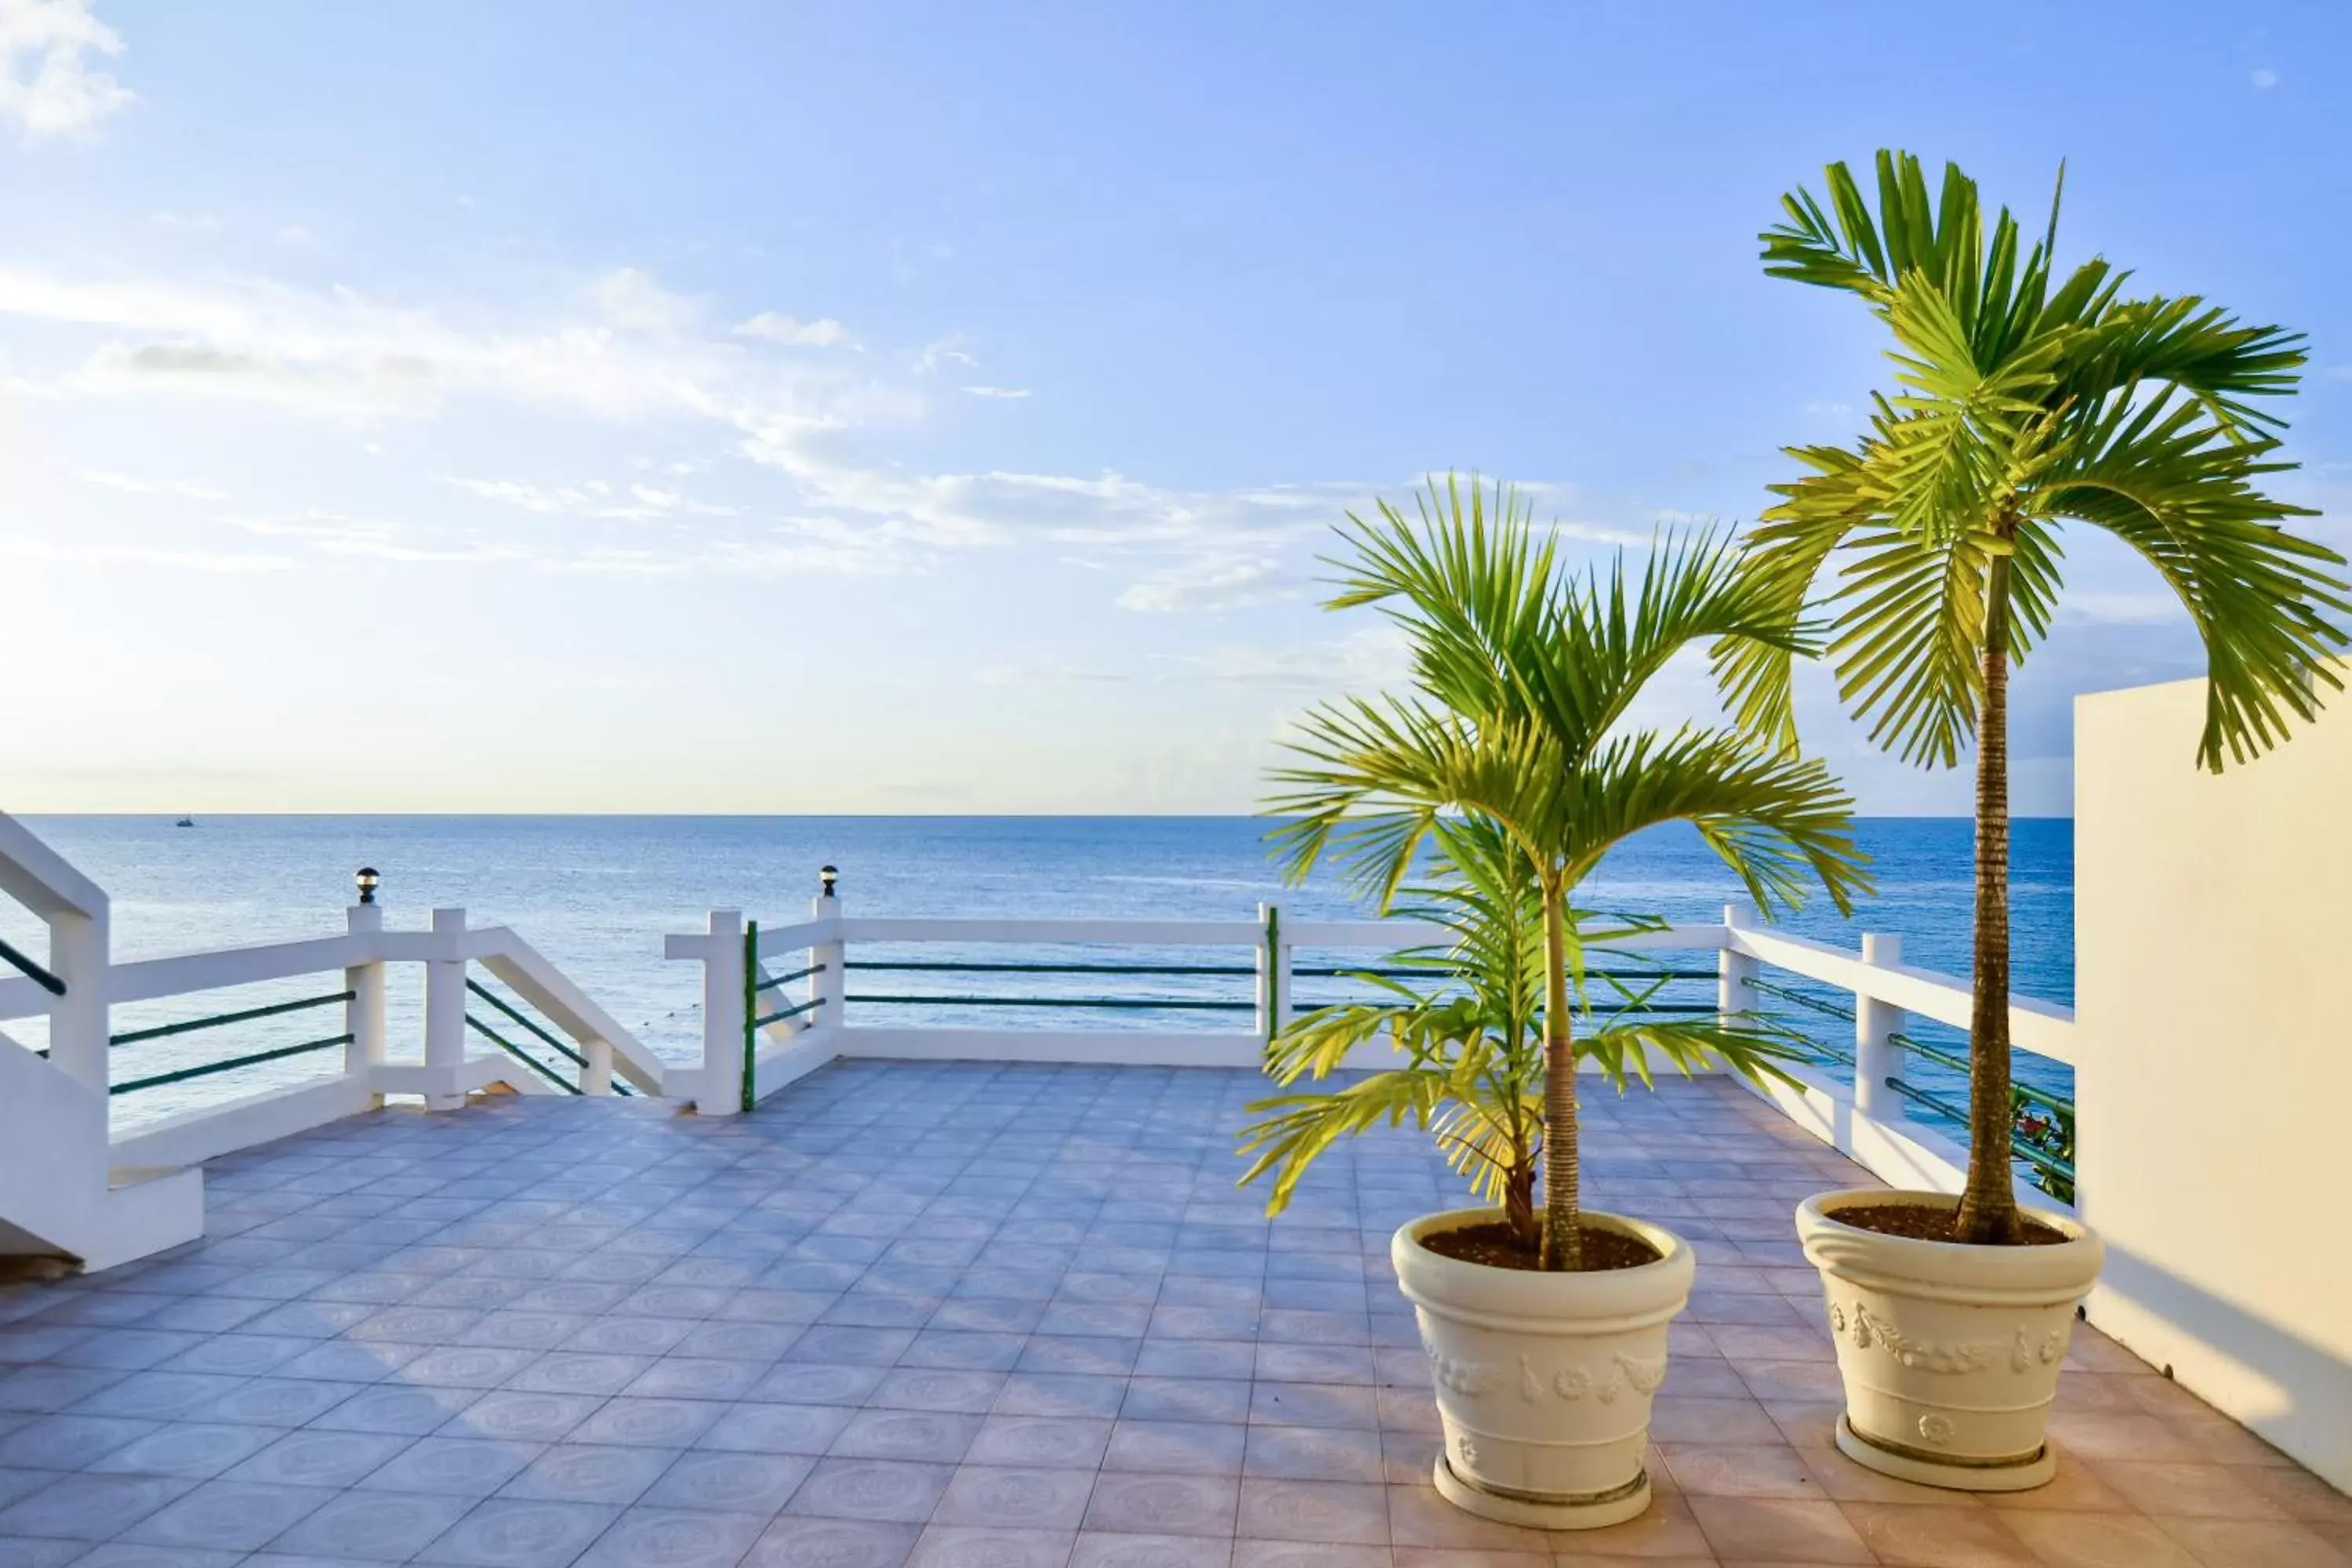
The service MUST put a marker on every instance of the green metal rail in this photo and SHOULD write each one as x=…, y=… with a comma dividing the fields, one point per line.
x=2024, y=1091
x=204, y=1069
x=1332, y=972
x=781, y=1013
x=2044, y=1139
x=942, y=967
x=2051, y=1155
x=243, y=1016
x=524, y=1056
x=1817, y=1003
x=214, y=1021
x=1184, y=1003
x=32, y=971
x=523, y=1021
x=787, y=979
x=1143, y=1003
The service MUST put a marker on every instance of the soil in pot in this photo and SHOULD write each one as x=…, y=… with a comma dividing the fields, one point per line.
x=1499, y=1246
x=1921, y=1222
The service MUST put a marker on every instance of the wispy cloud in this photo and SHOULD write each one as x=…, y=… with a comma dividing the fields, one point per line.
x=825, y=487
x=1209, y=585
x=50, y=81
x=944, y=352
x=774, y=327
x=188, y=489
x=2264, y=79
x=88, y=553
x=1364, y=660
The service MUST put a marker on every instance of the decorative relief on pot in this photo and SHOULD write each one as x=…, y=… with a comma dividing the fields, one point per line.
x=1474, y=1379
x=1468, y=1449
x=1627, y=1371
x=1959, y=1357
x=1936, y=1428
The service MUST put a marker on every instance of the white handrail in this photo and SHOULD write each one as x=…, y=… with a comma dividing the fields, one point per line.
x=2044, y=1028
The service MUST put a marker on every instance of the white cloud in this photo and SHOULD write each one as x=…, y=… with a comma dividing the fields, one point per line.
x=48, y=83
x=2120, y=608
x=1208, y=585
x=2264, y=79
x=631, y=351
x=1006, y=392
x=591, y=499
x=189, y=489
x=1369, y=660
x=624, y=351
x=774, y=327
x=79, y=553
x=946, y=350
x=633, y=302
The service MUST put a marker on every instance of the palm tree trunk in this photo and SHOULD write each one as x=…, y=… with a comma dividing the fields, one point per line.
x=1988, y=1206
x=1519, y=1206
x=1564, y=1243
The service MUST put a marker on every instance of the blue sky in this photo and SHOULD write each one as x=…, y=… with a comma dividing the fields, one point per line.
x=576, y=407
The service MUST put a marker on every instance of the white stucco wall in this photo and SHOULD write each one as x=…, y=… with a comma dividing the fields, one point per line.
x=2213, y=992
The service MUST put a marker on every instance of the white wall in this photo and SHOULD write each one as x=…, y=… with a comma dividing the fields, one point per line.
x=2215, y=1085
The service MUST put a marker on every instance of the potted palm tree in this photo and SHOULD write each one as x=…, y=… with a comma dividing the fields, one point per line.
x=1514, y=760
x=2026, y=400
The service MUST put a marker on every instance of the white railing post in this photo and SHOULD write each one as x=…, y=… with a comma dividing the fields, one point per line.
x=596, y=1078
x=1733, y=971
x=1272, y=974
x=723, y=1019
x=363, y=1013
x=1876, y=1057
x=829, y=986
x=445, y=1018
x=77, y=1020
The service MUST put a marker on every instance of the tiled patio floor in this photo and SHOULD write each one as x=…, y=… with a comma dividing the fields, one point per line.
x=976, y=1317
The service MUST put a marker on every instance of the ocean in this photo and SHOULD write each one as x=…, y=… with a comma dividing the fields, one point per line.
x=597, y=894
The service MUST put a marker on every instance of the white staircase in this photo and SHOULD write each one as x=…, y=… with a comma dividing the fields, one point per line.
x=69, y=1188
x=60, y=1194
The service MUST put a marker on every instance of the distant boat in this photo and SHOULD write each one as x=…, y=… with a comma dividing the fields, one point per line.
x=186, y=822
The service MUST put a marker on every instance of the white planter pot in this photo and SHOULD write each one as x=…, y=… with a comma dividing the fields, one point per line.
x=1544, y=1380
x=1950, y=1353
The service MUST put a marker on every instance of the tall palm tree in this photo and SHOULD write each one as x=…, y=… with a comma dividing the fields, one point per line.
x=1524, y=676
x=2026, y=401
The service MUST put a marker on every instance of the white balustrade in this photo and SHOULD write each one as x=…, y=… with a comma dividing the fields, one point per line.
x=1863, y=1119
x=64, y=1103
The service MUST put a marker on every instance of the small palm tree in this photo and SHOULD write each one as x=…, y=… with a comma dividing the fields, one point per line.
x=1467, y=1016
x=2026, y=402
x=1524, y=677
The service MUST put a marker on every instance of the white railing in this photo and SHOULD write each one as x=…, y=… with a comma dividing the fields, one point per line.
x=443, y=1070
x=758, y=1037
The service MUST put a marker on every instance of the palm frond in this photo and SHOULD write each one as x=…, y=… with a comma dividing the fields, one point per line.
x=2180, y=487
x=1778, y=821
x=1293, y=1130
